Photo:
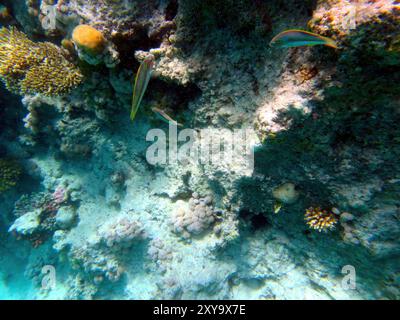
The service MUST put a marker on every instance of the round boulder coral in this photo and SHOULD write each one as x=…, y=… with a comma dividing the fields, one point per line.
x=286, y=193
x=89, y=39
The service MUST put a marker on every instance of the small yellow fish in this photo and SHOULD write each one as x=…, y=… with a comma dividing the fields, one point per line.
x=277, y=207
x=300, y=38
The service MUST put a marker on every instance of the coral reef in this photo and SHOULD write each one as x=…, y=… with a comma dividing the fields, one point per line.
x=160, y=253
x=27, y=67
x=39, y=215
x=341, y=17
x=98, y=265
x=321, y=123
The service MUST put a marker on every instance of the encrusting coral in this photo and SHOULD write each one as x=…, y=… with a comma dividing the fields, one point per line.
x=320, y=220
x=339, y=18
x=9, y=174
x=27, y=67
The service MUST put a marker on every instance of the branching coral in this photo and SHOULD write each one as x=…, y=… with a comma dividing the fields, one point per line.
x=321, y=220
x=27, y=67
x=9, y=174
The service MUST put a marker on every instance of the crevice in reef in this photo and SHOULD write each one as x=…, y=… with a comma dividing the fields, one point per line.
x=11, y=113
x=138, y=38
x=135, y=39
x=254, y=221
x=172, y=97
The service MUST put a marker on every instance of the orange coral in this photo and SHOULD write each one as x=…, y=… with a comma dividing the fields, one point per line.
x=321, y=220
x=89, y=39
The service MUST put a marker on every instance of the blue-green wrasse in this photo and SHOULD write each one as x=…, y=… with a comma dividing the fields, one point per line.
x=301, y=38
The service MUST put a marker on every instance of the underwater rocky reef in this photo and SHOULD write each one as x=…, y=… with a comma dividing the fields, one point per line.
x=308, y=209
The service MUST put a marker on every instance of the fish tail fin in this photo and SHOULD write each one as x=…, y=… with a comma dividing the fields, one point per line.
x=331, y=43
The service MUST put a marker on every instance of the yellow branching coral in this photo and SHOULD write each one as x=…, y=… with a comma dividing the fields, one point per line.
x=321, y=220
x=27, y=67
x=9, y=174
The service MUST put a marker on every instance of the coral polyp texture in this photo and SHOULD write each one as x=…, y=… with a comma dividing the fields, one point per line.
x=10, y=172
x=195, y=217
x=341, y=18
x=27, y=67
x=319, y=219
x=121, y=231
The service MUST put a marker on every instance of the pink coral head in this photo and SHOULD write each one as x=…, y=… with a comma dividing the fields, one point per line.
x=59, y=196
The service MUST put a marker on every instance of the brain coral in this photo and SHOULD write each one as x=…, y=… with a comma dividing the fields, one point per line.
x=89, y=39
x=27, y=67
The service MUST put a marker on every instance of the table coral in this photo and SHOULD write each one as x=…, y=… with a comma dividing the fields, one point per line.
x=27, y=67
